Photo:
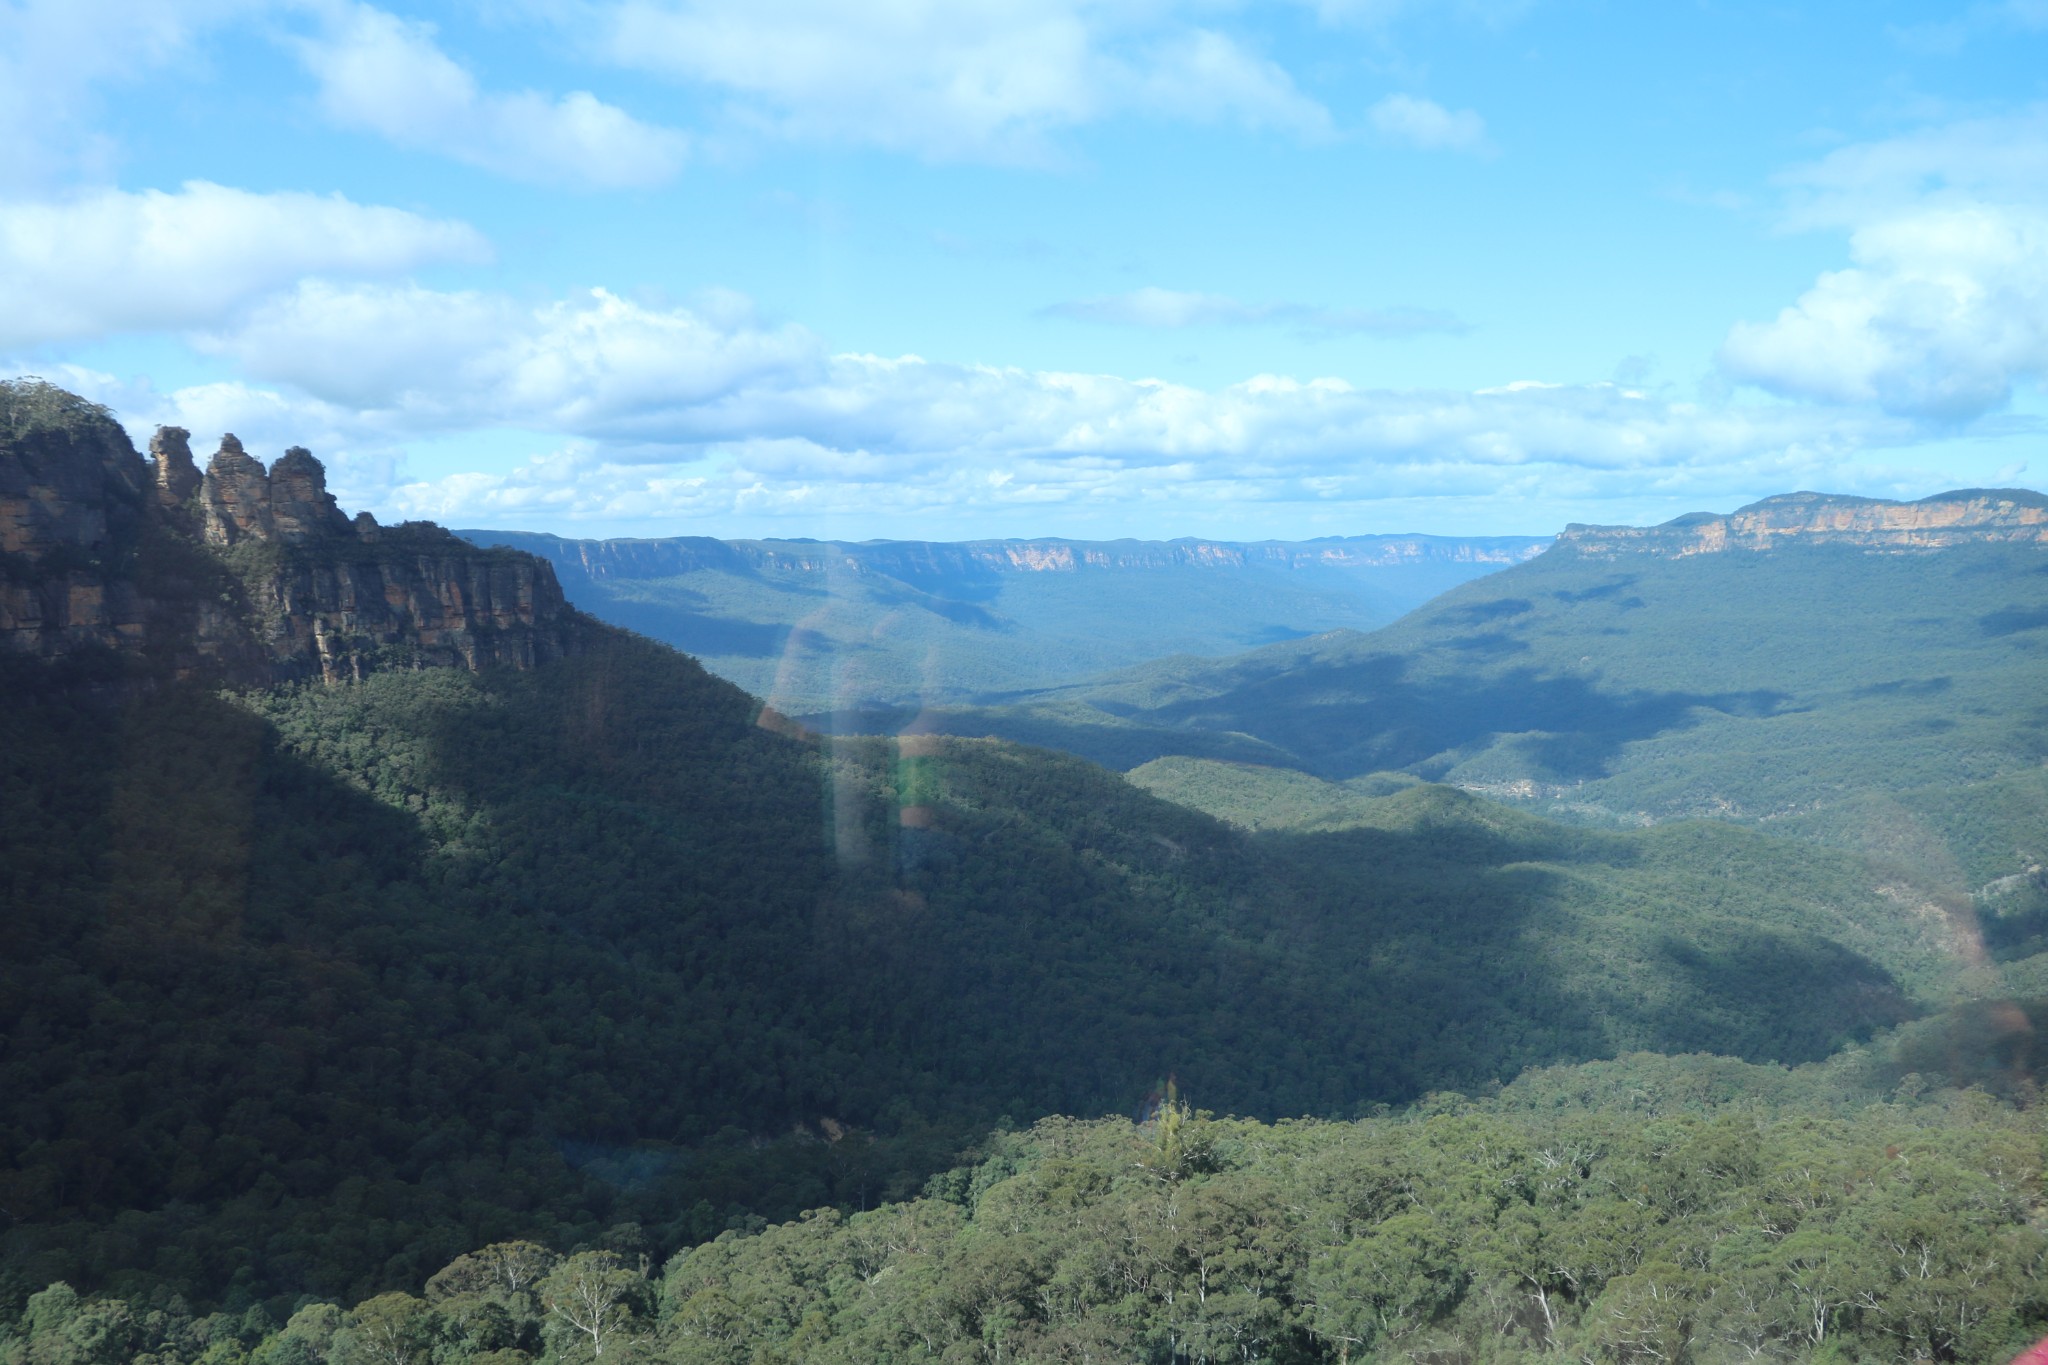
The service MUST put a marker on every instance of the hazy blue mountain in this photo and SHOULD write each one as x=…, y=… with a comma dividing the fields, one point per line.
x=1865, y=671
x=815, y=626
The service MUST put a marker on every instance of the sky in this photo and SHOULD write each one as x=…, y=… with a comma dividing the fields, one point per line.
x=1134, y=268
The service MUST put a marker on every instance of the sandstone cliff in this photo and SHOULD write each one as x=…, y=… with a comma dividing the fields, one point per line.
x=245, y=574
x=1966, y=516
x=970, y=560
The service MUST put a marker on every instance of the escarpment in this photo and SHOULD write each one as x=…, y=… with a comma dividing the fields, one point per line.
x=1962, y=517
x=918, y=561
x=247, y=574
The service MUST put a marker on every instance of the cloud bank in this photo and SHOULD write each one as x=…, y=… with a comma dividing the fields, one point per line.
x=1943, y=311
x=654, y=414
x=112, y=261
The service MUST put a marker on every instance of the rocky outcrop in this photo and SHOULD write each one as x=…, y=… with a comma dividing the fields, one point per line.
x=410, y=595
x=70, y=482
x=72, y=512
x=1964, y=517
x=241, y=501
x=177, y=478
x=235, y=496
x=245, y=574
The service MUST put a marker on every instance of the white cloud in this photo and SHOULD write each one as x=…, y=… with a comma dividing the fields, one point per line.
x=1425, y=124
x=1170, y=308
x=412, y=358
x=673, y=411
x=112, y=261
x=989, y=80
x=386, y=75
x=1132, y=455
x=1944, y=308
x=1941, y=314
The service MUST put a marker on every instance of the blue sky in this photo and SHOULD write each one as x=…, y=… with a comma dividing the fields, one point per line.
x=777, y=267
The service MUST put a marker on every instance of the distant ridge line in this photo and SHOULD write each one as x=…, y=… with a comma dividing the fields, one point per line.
x=914, y=559
x=1959, y=517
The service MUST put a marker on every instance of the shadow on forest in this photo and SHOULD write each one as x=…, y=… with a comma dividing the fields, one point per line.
x=2012, y=620
x=1351, y=717
x=596, y=904
x=1482, y=956
x=696, y=632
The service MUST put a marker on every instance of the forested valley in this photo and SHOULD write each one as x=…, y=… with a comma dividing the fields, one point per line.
x=560, y=1001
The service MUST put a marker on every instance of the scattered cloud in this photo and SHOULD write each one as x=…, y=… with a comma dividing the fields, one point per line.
x=112, y=261
x=1169, y=308
x=1071, y=444
x=665, y=412
x=1424, y=124
x=991, y=81
x=417, y=359
x=1941, y=314
x=1944, y=307
x=386, y=75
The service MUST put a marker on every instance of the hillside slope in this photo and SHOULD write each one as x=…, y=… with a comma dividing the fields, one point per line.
x=1877, y=685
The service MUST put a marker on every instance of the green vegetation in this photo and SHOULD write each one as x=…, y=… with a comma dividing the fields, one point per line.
x=1891, y=703
x=310, y=989
x=1254, y=796
x=31, y=407
x=1650, y=1209
x=305, y=993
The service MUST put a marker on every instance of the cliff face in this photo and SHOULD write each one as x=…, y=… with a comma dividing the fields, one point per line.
x=1966, y=516
x=241, y=573
x=983, y=560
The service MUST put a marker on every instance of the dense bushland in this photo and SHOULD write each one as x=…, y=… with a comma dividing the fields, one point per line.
x=312, y=989
x=1706, y=1224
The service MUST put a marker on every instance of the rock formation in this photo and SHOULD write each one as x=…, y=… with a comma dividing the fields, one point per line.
x=235, y=496
x=177, y=478
x=1964, y=517
x=242, y=574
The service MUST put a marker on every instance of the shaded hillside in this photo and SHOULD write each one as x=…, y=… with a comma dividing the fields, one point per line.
x=815, y=626
x=343, y=975
x=1888, y=694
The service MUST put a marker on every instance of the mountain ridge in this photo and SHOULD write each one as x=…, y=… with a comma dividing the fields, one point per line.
x=614, y=557
x=1939, y=521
